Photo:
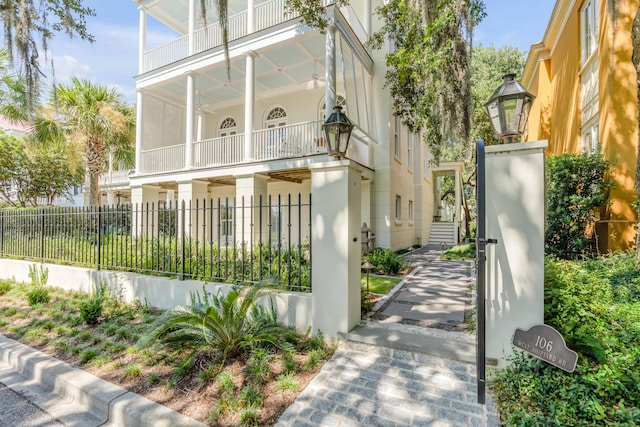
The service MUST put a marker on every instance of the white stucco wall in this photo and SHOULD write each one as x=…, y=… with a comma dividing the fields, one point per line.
x=294, y=309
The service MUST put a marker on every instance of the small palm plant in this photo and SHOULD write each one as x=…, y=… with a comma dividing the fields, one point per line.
x=231, y=324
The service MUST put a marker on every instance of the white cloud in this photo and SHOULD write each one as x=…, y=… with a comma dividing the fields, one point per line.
x=65, y=67
x=127, y=92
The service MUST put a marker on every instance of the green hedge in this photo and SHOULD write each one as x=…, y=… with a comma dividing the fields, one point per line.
x=595, y=305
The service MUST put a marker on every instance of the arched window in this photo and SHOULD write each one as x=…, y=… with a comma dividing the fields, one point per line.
x=276, y=117
x=228, y=126
x=340, y=101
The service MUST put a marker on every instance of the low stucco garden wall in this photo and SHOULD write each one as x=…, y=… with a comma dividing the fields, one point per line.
x=294, y=309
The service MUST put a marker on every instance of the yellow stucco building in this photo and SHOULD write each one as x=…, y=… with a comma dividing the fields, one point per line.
x=585, y=83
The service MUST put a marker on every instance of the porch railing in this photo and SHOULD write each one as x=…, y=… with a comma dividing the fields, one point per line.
x=211, y=35
x=295, y=140
x=267, y=14
x=166, y=159
x=114, y=178
x=166, y=54
x=224, y=240
x=300, y=139
x=270, y=13
x=219, y=151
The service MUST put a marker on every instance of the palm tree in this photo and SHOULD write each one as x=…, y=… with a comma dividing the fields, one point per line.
x=13, y=91
x=95, y=119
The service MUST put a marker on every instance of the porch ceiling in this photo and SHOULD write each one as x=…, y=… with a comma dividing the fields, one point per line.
x=288, y=67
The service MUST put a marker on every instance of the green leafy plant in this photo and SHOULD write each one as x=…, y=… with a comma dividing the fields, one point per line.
x=287, y=382
x=250, y=395
x=258, y=366
x=595, y=305
x=38, y=295
x=231, y=324
x=385, y=260
x=461, y=252
x=39, y=277
x=577, y=187
x=91, y=309
x=5, y=286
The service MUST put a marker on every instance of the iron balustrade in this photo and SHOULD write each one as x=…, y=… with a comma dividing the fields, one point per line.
x=224, y=240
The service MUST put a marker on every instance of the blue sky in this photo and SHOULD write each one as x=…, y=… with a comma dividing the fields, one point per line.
x=113, y=58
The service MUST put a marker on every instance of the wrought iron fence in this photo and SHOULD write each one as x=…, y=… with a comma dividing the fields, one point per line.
x=224, y=240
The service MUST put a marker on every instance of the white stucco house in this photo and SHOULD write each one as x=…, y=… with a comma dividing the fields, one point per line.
x=255, y=131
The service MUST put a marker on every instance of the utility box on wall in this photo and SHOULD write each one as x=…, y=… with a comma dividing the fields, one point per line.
x=515, y=195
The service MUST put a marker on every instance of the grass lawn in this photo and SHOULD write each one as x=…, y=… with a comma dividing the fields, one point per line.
x=379, y=284
x=249, y=389
x=461, y=252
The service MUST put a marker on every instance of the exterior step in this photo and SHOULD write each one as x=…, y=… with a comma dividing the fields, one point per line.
x=386, y=341
x=442, y=232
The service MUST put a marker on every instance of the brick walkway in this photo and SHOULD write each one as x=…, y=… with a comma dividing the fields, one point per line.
x=382, y=385
x=360, y=386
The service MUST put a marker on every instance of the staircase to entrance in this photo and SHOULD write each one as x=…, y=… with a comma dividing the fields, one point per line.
x=442, y=232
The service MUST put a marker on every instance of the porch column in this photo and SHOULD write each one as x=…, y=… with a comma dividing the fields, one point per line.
x=190, y=119
x=330, y=66
x=457, y=215
x=144, y=203
x=192, y=26
x=139, y=126
x=367, y=17
x=251, y=188
x=111, y=198
x=195, y=196
x=336, y=218
x=249, y=105
x=142, y=39
x=199, y=124
x=251, y=17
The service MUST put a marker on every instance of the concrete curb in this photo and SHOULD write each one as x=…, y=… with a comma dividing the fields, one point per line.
x=75, y=397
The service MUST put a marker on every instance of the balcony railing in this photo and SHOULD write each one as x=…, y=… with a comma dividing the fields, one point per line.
x=297, y=140
x=225, y=150
x=288, y=141
x=114, y=178
x=166, y=54
x=166, y=159
x=267, y=14
x=270, y=13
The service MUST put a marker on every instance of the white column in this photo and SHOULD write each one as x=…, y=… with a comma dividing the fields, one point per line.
x=336, y=217
x=142, y=39
x=144, y=198
x=330, y=65
x=139, y=135
x=515, y=265
x=251, y=17
x=251, y=188
x=199, y=124
x=367, y=17
x=190, y=119
x=249, y=105
x=193, y=194
x=192, y=26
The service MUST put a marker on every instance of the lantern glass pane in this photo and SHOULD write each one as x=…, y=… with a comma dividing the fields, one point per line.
x=526, y=108
x=494, y=116
x=510, y=116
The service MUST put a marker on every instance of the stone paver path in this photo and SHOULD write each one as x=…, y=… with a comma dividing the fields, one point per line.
x=360, y=386
x=377, y=385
